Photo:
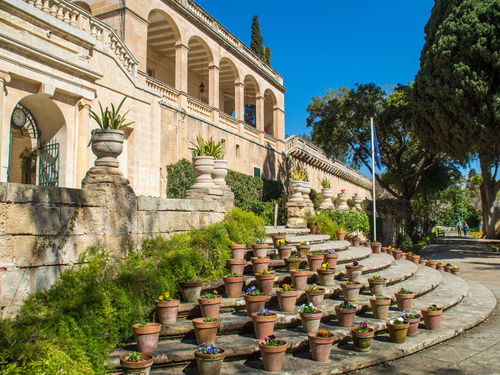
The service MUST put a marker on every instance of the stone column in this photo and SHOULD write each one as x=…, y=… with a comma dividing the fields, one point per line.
x=181, y=73
x=279, y=122
x=239, y=102
x=259, y=109
x=213, y=91
x=4, y=128
x=82, y=161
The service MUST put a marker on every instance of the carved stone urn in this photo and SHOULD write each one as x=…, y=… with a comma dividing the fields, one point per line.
x=203, y=167
x=296, y=191
x=306, y=189
x=219, y=174
x=357, y=201
x=343, y=202
x=327, y=195
x=107, y=145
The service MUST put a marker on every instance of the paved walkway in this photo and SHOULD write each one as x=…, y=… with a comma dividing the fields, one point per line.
x=476, y=351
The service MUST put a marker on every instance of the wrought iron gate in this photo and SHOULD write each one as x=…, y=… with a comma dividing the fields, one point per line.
x=48, y=173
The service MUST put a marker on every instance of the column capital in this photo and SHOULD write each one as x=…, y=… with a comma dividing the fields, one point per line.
x=259, y=97
x=213, y=66
x=239, y=84
x=84, y=103
x=181, y=46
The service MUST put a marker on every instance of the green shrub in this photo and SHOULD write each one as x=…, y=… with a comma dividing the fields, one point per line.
x=404, y=241
x=315, y=197
x=328, y=226
x=350, y=221
x=246, y=189
x=180, y=177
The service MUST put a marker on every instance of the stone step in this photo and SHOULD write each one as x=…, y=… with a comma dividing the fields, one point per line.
x=281, y=229
x=312, y=238
x=174, y=357
x=425, y=280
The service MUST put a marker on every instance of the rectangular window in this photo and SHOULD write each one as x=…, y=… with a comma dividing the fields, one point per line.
x=151, y=73
x=237, y=151
x=256, y=172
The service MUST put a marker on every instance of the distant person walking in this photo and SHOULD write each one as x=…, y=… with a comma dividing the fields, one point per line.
x=459, y=228
x=465, y=228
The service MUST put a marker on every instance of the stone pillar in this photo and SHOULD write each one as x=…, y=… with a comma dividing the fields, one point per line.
x=259, y=109
x=213, y=86
x=4, y=128
x=82, y=162
x=239, y=102
x=181, y=67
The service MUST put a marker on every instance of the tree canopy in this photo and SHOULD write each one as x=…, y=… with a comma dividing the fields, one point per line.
x=256, y=42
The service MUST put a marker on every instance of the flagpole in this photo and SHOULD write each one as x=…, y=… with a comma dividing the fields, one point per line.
x=373, y=182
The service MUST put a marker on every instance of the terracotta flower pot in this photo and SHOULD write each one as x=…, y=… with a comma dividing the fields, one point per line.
x=362, y=340
x=191, y=290
x=147, y=337
x=350, y=291
x=255, y=303
x=377, y=286
x=167, y=311
x=303, y=250
x=422, y=261
x=316, y=297
x=440, y=267
x=315, y=261
x=326, y=277
x=263, y=325
x=310, y=322
x=284, y=251
x=238, y=251
x=210, y=306
x=431, y=264
x=353, y=272
x=299, y=279
x=259, y=264
x=292, y=263
x=331, y=259
x=210, y=364
x=276, y=238
x=273, y=356
x=236, y=265
x=380, y=308
x=455, y=271
x=397, y=254
x=431, y=318
x=384, y=250
x=340, y=235
x=345, y=317
x=390, y=252
x=321, y=347
x=397, y=332
x=265, y=283
x=260, y=250
x=404, y=301
x=415, y=259
x=355, y=241
x=234, y=285
x=132, y=368
x=376, y=247
x=413, y=328
x=205, y=331
x=287, y=300
x=448, y=268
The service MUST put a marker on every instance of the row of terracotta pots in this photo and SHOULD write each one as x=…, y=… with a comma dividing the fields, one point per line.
x=442, y=267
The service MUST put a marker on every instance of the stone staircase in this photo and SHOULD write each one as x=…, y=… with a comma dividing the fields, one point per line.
x=466, y=304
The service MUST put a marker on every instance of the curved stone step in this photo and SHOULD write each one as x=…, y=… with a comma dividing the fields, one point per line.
x=312, y=238
x=281, y=229
x=423, y=281
x=322, y=246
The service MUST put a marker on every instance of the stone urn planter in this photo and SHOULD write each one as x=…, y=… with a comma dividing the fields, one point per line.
x=431, y=264
x=321, y=347
x=292, y=263
x=350, y=291
x=147, y=337
x=143, y=367
x=276, y=238
x=210, y=306
x=357, y=200
x=259, y=264
x=107, y=145
x=327, y=195
x=263, y=324
x=340, y=235
x=431, y=318
x=219, y=174
x=315, y=261
x=265, y=282
x=203, y=167
x=287, y=299
x=306, y=189
x=310, y=322
x=380, y=308
x=404, y=300
x=362, y=340
x=326, y=277
x=413, y=327
x=296, y=187
x=376, y=247
x=167, y=311
x=210, y=364
x=354, y=271
x=342, y=199
x=254, y=303
x=345, y=316
x=315, y=296
x=236, y=266
x=303, y=250
x=191, y=290
x=415, y=259
x=205, y=330
x=284, y=251
x=273, y=356
x=397, y=254
x=377, y=286
x=238, y=251
x=260, y=250
x=331, y=259
x=397, y=332
x=234, y=285
x=299, y=279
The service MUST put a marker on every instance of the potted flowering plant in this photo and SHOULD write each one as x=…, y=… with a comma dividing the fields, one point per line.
x=315, y=295
x=377, y=285
x=210, y=304
x=299, y=278
x=321, y=345
x=191, y=289
x=209, y=359
x=326, y=275
x=455, y=270
x=238, y=250
x=404, y=299
x=254, y=300
x=265, y=281
x=354, y=271
x=397, y=329
x=303, y=248
x=284, y=249
x=397, y=254
x=273, y=353
x=260, y=263
x=331, y=257
x=277, y=238
x=345, y=314
x=340, y=234
x=350, y=290
x=259, y=248
x=448, y=267
x=310, y=316
x=355, y=239
x=287, y=297
x=362, y=336
x=234, y=284
x=440, y=266
x=292, y=262
x=380, y=306
x=167, y=308
x=415, y=258
x=205, y=329
x=146, y=336
x=263, y=323
x=314, y=260
x=432, y=316
x=413, y=320
x=431, y=263
x=376, y=246
x=135, y=362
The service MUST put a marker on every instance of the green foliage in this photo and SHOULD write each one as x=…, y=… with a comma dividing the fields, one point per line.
x=267, y=58
x=328, y=226
x=250, y=115
x=315, y=198
x=244, y=227
x=246, y=189
x=180, y=177
x=416, y=248
x=256, y=41
x=111, y=119
x=208, y=148
x=404, y=241
x=351, y=221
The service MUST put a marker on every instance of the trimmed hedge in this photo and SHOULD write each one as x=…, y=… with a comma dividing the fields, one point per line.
x=180, y=177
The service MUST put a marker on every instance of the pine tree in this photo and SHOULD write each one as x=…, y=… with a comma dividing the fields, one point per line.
x=268, y=55
x=256, y=42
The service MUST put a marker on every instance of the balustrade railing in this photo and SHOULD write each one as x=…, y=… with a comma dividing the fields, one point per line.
x=168, y=93
x=198, y=107
x=229, y=121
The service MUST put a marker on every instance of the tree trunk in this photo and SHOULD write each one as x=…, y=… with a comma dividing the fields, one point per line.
x=489, y=190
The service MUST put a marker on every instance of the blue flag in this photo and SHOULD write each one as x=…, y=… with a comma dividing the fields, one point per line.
x=377, y=152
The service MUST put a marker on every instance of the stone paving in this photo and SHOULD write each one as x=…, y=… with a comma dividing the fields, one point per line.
x=476, y=351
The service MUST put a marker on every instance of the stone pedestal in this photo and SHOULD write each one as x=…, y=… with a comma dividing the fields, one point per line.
x=326, y=204
x=343, y=207
x=98, y=178
x=297, y=213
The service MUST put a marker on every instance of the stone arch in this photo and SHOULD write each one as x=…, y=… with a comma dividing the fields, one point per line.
x=252, y=91
x=82, y=4
x=200, y=58
x=270, y=106
x=228, y=76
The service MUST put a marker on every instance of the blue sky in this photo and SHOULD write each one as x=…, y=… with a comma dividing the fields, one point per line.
x=331, y=43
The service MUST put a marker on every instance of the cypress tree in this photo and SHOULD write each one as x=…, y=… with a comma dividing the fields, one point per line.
x=268, y=55
x=256, y=42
